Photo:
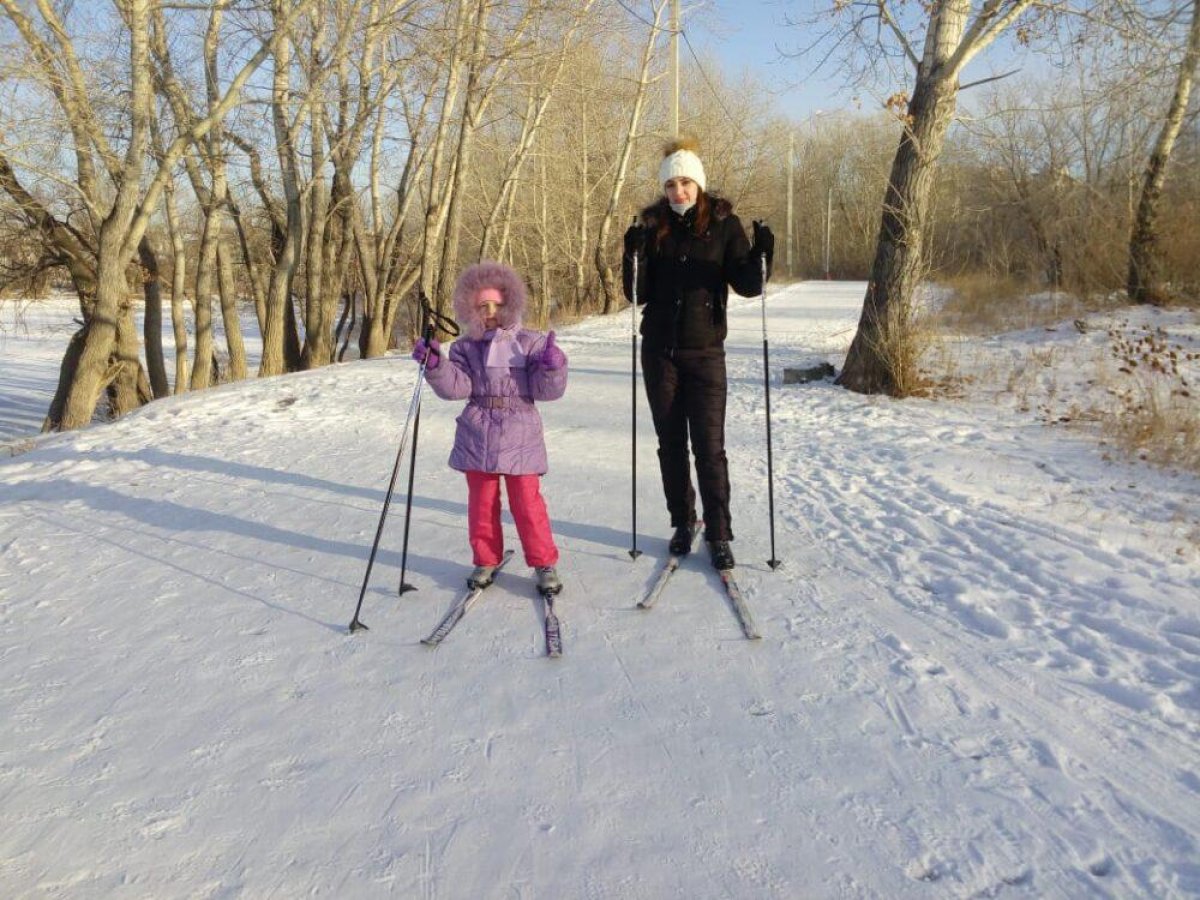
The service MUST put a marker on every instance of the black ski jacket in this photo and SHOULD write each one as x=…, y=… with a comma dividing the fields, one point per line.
x=684, y=279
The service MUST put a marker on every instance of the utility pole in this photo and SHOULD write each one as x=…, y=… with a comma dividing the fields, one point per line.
x=812, y=120
x=791, y=169
x=828, y=228
x=674, y=68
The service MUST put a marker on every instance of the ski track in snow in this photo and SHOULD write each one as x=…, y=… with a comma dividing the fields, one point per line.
x=978, y=675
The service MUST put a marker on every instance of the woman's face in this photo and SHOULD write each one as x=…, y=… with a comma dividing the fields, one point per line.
x=681, y=190
x=488, y=299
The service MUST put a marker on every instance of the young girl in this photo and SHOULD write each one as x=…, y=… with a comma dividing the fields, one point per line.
x=500, y=369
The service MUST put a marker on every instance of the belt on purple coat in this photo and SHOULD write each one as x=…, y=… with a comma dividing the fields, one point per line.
x=500, y=402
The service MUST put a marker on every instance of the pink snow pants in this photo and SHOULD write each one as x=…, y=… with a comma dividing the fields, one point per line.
x=528, y=510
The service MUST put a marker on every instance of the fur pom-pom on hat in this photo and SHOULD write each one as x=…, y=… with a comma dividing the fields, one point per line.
x=482, y=275
x=680, y=161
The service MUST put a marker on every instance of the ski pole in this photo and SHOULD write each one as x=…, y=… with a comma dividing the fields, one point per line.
x=412, y=471
x=431, y=318
x=634, y=552
x=414, y=404
x=772, y=562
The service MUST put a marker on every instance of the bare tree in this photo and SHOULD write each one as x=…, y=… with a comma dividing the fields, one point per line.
x=1144, y=283
x=541, y=90
x=178, y=278
x=436, y=199
x=118, y=197
x=882, y=356
x=384, y=275
x=608, y=281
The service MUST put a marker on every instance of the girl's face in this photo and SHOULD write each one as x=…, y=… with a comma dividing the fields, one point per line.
x=681, y=190
x=488, y=299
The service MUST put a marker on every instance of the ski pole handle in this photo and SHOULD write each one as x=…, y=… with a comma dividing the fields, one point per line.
x=434, y=320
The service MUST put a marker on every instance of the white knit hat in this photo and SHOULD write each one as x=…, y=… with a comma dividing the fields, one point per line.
x=682, y=163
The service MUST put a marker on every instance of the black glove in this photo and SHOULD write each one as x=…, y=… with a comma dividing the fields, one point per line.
x=764, y=242
x=635, y=240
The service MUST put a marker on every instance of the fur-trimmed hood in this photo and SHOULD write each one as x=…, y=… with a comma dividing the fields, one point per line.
x=488, y=274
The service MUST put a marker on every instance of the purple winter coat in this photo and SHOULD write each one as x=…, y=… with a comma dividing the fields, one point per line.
x=500, y=430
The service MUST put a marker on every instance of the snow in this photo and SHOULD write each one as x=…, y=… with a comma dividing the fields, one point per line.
x=978, y=673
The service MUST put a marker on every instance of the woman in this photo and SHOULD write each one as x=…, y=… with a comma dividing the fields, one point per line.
x=691, y=249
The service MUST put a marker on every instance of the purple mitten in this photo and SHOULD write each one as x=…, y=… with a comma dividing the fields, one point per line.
x=552, y=358
x=427, y=353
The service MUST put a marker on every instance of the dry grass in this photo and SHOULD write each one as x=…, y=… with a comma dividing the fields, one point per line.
x=1156, y=414
x=1143, y=398
x=986, y=305
x=901, y=345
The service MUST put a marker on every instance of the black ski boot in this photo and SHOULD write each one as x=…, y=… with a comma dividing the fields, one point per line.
x=721, y=554
x=681, y=540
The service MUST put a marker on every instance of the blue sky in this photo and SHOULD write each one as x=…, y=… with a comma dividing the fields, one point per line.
x=752, y=34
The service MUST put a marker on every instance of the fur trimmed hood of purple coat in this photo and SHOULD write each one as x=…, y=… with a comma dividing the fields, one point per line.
x=482, y=275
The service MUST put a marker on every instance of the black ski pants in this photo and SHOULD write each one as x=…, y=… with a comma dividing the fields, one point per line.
x=686, y=390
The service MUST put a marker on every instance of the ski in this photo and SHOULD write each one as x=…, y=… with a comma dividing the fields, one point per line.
x=552, y=627
x=665, y=573
x=739, y=604
x=459, y=609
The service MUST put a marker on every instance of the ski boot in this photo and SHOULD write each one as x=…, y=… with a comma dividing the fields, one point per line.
x=481, y=576
x=681, y=540
x=721, y=554
x=548, y=581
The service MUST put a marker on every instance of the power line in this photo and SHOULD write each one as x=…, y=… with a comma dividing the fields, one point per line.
x=692, y=50
x=643, y=19
x=707, y=81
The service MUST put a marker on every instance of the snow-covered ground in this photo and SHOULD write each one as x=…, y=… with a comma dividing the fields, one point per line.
x=979, y=672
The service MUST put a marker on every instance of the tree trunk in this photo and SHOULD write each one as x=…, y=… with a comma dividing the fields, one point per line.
x=100, y=339
x=128, y=387
x=882, y=357
x=281, y=344
x=339, y=272
x=345, y=325
x=66, y=377
x=431, y=234
x=202, y=371
x=253, y=270
x=329, y=275
x=543, y=305
x=178, y=292
x=1144, y=283
x=153, y=319
x=580, y=260
x=229, y=313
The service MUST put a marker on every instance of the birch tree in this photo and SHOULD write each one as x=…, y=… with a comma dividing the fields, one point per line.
x=435, y=198
x=384, y=275
x=542, y=87
x=608, y=281
x=1144, y=283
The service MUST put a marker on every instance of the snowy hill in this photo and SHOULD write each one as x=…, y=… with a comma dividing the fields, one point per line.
x=978, y=674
